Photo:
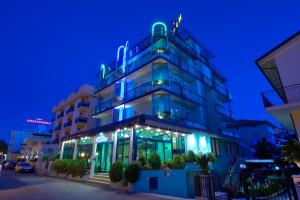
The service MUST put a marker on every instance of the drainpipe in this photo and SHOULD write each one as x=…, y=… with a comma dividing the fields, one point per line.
x=92, y=170
x=131, y=145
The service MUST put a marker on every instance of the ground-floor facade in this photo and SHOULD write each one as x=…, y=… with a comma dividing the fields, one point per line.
x=132, y=141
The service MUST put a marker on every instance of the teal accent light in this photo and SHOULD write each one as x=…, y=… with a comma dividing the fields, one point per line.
x=159, y=24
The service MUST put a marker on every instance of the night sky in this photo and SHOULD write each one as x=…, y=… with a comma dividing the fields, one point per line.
x=49, y=48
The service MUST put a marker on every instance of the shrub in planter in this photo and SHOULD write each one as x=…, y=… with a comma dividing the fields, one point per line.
x=142, y=160
x=81, y=168
x=60, y=166
x=177, y=162
x=154, y=161
x=132, y=172
x=116, y=172
x=203, y=160
x=189, y=157
x=72, y=168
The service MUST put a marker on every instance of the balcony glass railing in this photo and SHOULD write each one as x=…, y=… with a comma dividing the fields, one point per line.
x=81, y=119
x=67, y=124
x=147, y=56
x=149, y=87
x=61, y=114
x=83, y=104
x=225, y=113
x=69, y=110
x=280, y=96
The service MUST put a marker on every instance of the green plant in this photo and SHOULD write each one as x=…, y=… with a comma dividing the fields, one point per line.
x=154, y=161
x=116, y=172
x=60, y=166
x=81, y=168
x=265, y=149
x=72, y=167
x=132, y=172
x=142, y=160
x=291, y=151
x=203, y=161
x=189, y=157
x=177, y=162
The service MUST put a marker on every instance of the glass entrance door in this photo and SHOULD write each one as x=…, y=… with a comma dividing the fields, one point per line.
x=103, y=157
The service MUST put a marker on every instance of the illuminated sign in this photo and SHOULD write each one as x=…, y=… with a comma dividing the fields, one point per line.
x=101, y=138
x=176, y=24
x=103, y=70
x=38, y=121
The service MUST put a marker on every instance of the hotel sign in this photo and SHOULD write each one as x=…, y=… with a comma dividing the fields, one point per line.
x=101, y=138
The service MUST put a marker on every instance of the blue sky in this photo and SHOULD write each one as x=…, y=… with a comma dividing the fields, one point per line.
x=49, y=48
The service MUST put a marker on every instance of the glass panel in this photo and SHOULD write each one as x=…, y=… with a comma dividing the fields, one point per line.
x=168, y=151
x=161, y=106
x=141, y=148
x=126, y=153
x=160, y=150
x=150, y=148
x=108, y=156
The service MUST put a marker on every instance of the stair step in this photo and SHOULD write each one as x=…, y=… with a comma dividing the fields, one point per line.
x=98, y=182
x=101, y=176
x=101, y=179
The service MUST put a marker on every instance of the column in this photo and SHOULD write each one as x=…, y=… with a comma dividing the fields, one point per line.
x=115, y=145
x=62, y=151
x=75, y=150
x=94, y=148
x=131, y=145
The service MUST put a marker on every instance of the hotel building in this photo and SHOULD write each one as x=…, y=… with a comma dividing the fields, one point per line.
x=73, y=114
x=160, y=95
x=281, y=68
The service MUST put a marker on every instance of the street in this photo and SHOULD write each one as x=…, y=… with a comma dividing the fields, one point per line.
x=32, y=187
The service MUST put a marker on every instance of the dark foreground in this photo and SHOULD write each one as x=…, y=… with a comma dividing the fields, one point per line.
x=32, y=187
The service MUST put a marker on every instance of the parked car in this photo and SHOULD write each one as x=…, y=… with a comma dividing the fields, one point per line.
x=10, y=165
x=24, y=167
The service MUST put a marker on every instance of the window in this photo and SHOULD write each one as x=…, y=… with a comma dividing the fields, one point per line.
x=215, y=146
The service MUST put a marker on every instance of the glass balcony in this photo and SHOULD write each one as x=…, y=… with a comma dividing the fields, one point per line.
x=83, y=104
x=61, y=114
x=69, y=110
x=81, y=119
x=226, y=113
x=57, y=128
x=67, y=124
x=150, y=87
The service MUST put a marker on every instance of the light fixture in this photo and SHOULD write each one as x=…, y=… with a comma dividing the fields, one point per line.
x=158, y=130
x=168, y=131
x=148, y=128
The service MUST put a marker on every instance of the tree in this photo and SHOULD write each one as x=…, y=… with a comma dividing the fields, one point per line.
x=3, y=146
x=291, y=151
x=265, y=149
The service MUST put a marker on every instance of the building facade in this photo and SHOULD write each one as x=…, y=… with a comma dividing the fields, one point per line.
x=73, y=114
x=281, y=68
x=161, y=95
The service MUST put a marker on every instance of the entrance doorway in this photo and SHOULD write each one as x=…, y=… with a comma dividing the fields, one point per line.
x=103, y=157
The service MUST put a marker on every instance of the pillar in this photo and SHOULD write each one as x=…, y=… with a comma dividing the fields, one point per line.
x=62, y=151
x=131, y=145
x=115, y=145
x=94, y=148
x=75, y=150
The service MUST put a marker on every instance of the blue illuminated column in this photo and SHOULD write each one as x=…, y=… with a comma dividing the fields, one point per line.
x=75, y=150
x=94, y=148
x=62, y=151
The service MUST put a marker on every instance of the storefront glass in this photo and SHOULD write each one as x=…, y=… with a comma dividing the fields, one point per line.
x=103, y=156
x=68, y=151
x=123, y=146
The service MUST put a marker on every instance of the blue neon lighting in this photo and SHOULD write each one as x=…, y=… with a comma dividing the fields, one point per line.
x=159, y=23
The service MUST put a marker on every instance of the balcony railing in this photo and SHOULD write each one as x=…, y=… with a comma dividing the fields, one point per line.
x=81, y=119
x=57, y=128
x=69, y=110
x=61, y=114
x=67, y=124
x=83, y=104
x=149, y=87
x=225, y=113
x=148, y=57
x=280, y=96
x=55, y=141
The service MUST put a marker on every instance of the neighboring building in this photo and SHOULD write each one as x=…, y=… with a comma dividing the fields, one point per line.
x=15, y=143
x=162, y=95
x=73, y=114
x=32, y=147
x=250, y=131
x=281, y=67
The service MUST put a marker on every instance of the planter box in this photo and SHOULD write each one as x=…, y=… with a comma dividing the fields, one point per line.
x=157, y=181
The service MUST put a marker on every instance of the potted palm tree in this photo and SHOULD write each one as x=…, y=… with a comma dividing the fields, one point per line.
x=291, y=151
x=204, y=161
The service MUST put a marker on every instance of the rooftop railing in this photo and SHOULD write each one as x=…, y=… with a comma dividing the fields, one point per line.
x=280, y=96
